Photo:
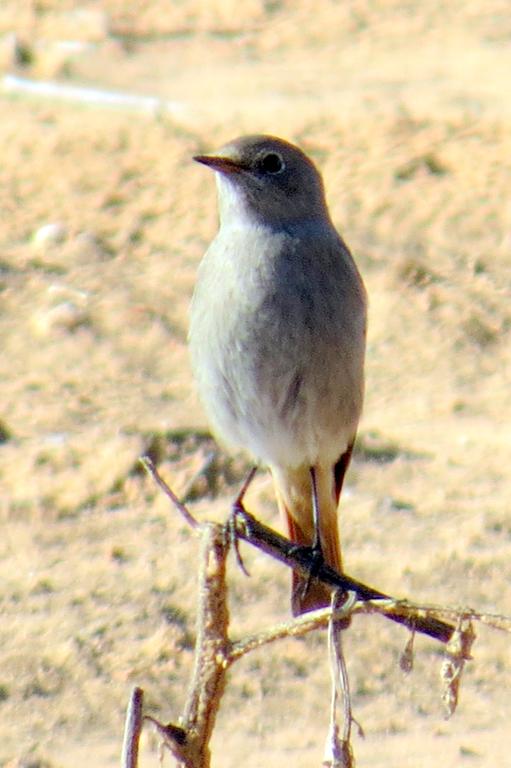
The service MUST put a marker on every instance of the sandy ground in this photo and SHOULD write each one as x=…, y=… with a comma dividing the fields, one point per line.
x=407, y=110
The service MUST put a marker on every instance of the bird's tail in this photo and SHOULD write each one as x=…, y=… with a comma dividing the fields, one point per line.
x=294, y=495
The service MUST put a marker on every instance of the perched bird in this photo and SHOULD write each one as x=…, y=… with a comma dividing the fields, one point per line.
x=277, y=336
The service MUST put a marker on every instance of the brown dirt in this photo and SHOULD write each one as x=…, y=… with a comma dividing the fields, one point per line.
x=406, y=108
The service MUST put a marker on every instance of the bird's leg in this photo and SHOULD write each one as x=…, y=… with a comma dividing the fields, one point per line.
x=237, y=508
x=316, y=549
x=316, y=543
x=237, y=505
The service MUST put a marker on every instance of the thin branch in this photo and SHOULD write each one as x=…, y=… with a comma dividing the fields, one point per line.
x=243, y=525
x=342, y=681
x=494, y=620
x=132, y=729
x=149, y=467
x=302, y=625
x=338, y=751
x=299, y=558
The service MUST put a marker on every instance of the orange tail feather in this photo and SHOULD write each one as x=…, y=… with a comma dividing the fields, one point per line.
x=294, y=496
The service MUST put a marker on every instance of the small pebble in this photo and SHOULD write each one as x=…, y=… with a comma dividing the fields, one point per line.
x=66, y=310
x=49, y=235
x=66, y=316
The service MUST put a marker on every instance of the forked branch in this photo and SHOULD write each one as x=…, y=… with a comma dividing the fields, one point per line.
x=189, y=738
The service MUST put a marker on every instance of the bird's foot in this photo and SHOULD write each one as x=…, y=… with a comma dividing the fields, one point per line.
x=312, y=558
x=237, y=510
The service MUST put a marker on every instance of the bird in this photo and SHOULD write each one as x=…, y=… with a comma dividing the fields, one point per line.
x=277, y=338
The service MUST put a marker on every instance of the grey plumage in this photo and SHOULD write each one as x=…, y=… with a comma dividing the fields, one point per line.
x=278, y=321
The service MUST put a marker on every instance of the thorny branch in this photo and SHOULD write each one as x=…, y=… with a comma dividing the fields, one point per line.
x=243, y=525
x=299, y=558
x=215, y=651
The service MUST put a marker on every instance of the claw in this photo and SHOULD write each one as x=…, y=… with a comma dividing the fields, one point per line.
x=230, y=525
x=317, y=560
x=238, y=509
x=314, y=555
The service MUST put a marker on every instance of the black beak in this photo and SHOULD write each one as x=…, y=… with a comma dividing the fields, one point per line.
x=218, y=163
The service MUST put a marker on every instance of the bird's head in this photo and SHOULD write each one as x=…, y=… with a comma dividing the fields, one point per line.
x=266, y=180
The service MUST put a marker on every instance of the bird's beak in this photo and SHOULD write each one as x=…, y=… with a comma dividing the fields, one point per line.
x=219, y=163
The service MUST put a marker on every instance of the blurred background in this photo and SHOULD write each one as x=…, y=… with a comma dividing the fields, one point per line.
x=406, y=108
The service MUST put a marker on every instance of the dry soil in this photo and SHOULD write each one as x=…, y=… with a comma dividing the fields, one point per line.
x=406, y=108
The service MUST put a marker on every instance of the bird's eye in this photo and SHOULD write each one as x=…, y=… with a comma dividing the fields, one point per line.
x=272, y=163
